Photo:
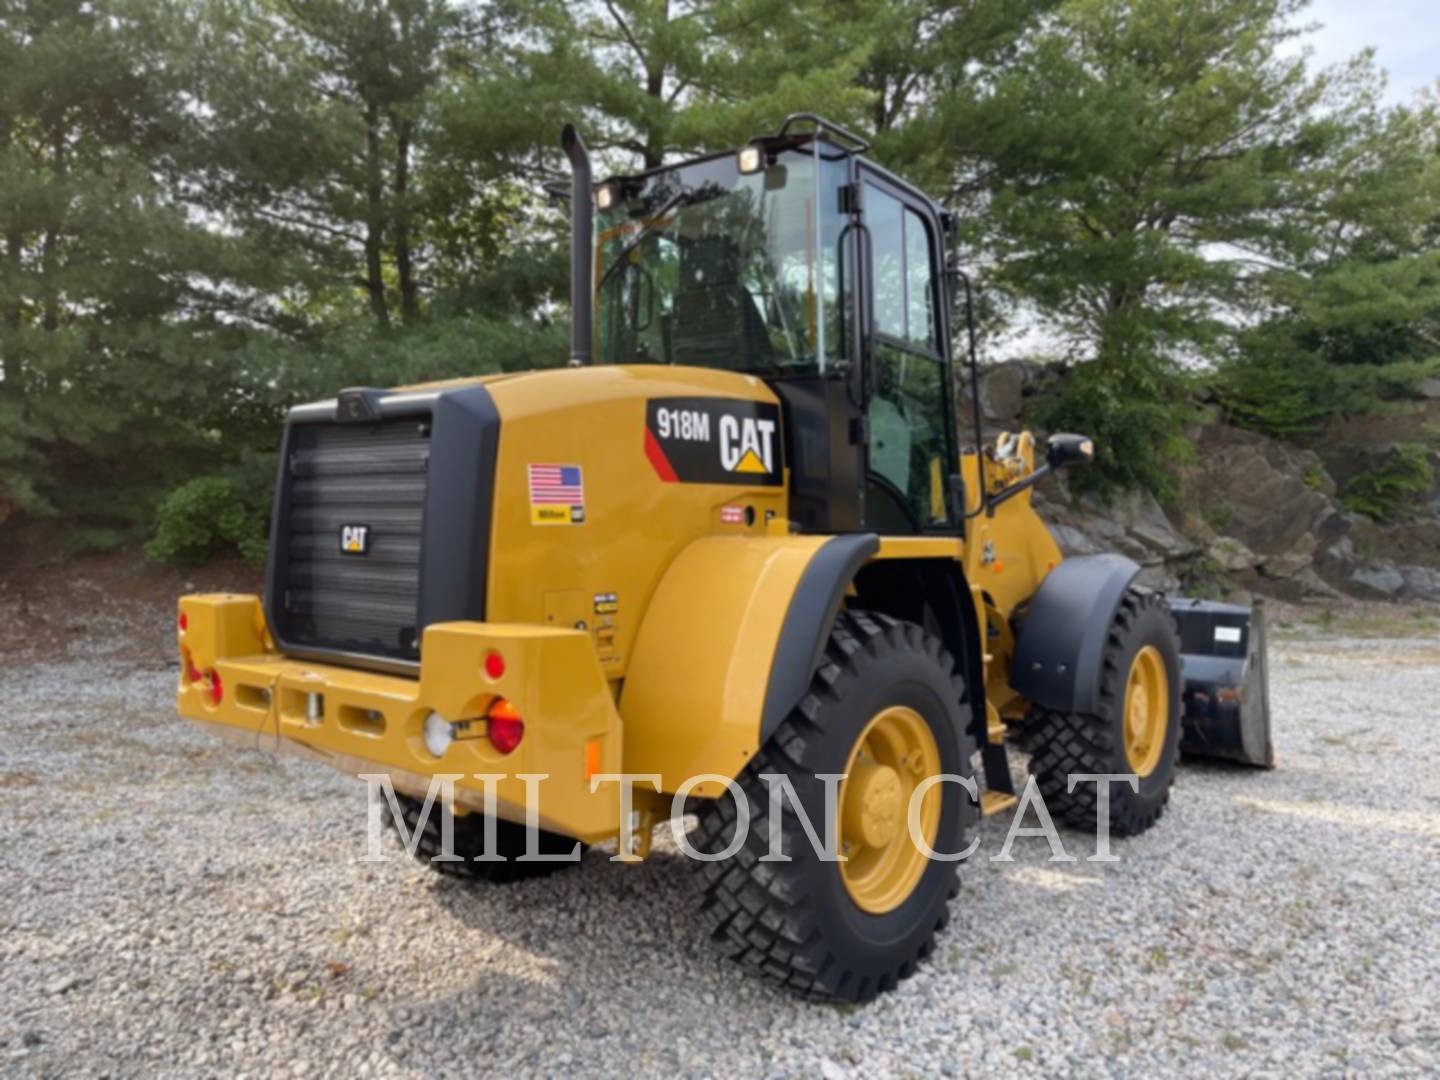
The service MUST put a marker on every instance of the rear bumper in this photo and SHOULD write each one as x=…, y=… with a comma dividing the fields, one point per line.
x=364, y=722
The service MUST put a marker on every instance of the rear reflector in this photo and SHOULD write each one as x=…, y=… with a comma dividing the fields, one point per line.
x=213, y=684
x=184, y=622
x=494, y=664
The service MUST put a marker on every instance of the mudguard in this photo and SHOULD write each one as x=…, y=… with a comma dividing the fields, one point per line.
x=730, y=640
x=1062, y=636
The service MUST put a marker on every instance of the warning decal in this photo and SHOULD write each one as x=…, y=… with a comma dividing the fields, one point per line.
x=698, y=440
x=557, y=495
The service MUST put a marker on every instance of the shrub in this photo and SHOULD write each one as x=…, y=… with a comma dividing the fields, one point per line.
x=1388, y=492
x=1138, y=434
x=207, y=516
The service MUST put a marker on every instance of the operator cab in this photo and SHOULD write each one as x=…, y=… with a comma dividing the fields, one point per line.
x=747, y=261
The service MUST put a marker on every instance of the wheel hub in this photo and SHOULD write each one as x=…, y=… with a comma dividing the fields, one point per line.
x=894, y=753
x=875, y=810
x=1147, y=710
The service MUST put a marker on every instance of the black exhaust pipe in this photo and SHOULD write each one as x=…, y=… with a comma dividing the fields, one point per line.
x=582, y=260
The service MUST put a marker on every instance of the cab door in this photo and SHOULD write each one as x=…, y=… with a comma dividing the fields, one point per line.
x=910, y=440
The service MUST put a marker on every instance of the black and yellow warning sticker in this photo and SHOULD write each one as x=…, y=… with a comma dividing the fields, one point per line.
x=699, y=440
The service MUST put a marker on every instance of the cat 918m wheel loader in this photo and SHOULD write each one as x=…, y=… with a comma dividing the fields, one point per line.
x=735, y=548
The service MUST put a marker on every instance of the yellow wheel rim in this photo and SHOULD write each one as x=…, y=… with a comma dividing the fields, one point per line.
x=1147, y=710
x=894, y=753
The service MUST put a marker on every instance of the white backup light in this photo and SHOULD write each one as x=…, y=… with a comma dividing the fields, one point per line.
x=439, y=734
x=750, y=159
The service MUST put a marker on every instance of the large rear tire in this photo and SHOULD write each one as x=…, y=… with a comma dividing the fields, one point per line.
x=469, y=842
x=886, y=709
x=1136, y=728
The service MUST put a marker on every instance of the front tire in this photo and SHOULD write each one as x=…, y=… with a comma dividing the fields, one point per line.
x=1135, y=729
x=886, y=709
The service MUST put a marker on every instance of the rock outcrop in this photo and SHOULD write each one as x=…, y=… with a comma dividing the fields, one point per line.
x=1254, y=514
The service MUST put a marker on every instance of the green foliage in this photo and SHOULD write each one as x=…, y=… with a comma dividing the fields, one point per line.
x=89, y=540
x=1296, y=393
x=1136, y=428
x=207, y=516
x=1132, y=161
x=213, y=209
x=1389, y=492
x=1220, y=515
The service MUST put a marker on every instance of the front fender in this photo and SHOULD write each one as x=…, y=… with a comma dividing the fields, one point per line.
x=1062, y=637
x=727, y=648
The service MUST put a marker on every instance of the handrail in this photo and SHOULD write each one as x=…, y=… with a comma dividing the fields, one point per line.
x=861, y=145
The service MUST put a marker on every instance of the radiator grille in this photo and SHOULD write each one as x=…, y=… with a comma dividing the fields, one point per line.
x=370, y=475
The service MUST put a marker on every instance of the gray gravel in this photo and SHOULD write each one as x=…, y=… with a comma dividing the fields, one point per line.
x=175, y=906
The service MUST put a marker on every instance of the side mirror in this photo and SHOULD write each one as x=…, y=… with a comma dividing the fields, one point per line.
x=1065, y=450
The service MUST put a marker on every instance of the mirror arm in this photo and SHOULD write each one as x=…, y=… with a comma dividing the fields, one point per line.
x=1020, y=485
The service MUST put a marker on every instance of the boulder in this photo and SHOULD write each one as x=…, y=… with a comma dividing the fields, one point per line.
x=1074, y=541
x=1265, y=494
x=1421, y=582
x=1133, y=524
x=1002, y=389
x=1314, y=587
x=1290, y=563
x=1231, y=555
x=1379, y=581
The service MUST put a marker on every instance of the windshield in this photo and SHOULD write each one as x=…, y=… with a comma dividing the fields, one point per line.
x=707, y=266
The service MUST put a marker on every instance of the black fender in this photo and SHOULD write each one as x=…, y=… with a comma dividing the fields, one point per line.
x=933, y=593
x=808, y=620
x=1062, y=636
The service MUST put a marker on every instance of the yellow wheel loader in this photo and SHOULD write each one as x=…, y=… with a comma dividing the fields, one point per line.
x=736, y=551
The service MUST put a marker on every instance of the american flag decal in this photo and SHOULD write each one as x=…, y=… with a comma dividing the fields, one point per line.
x=557, y=495
x=556, y=484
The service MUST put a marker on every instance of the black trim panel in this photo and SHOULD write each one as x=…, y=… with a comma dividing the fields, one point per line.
x=806, y=630
x=1062, y=637
x=455, y=541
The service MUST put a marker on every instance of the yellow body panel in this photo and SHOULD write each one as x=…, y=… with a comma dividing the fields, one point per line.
x=1007, y=555
x=696, y=690
x=367, y=722
x=635, y=522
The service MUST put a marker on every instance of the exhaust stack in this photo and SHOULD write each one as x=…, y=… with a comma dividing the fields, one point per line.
x=582, y=261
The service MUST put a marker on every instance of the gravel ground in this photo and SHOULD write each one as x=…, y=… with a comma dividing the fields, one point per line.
x=176, y=906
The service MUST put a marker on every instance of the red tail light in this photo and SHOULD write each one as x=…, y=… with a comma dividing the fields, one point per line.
x=504, y=727
x=494, y=664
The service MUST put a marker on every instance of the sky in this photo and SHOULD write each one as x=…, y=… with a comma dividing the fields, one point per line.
x=1404, y=33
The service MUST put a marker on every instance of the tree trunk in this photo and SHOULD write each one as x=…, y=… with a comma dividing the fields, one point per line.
x=14, y=248
x=409, y=294
x=654, y=135
x=50, y=320
x=374, y=217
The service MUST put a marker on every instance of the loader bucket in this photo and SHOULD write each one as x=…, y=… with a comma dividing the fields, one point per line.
x=1226, y=701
